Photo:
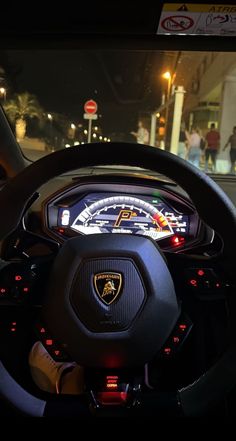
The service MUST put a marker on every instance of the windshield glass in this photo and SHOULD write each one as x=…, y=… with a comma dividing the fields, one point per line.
x=183, y=102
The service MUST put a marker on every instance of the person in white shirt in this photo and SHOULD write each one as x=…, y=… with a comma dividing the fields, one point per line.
x=194, y=150
x=142, y=135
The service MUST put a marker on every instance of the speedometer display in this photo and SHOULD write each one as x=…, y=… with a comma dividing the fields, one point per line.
x=122, y=213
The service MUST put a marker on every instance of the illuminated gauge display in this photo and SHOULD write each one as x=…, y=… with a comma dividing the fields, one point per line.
x=65, y=217
x=123, y=214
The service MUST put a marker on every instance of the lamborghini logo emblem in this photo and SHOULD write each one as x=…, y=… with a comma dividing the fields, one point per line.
x=108, y=286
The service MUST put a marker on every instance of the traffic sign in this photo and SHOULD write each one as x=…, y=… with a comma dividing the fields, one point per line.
x=90, y=107
x=90, y=116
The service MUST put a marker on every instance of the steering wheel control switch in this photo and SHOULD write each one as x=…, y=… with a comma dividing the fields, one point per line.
x=115, y=393
x=205, y=281
x=52, y=346
x=16, y=281
x=177, y=337
x=113, y=389
x=4, y=291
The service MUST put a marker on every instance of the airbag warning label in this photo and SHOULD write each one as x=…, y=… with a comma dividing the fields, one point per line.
x=200, y=19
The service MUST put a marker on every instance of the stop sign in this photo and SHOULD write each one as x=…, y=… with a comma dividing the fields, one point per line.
x=90, y=107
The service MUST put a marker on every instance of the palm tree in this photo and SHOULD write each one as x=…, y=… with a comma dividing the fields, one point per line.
x=21, y=107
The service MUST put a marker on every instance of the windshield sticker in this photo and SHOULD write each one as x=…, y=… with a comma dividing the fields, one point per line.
x=200, y=19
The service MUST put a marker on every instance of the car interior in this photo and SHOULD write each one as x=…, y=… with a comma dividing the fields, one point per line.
x=117, y=226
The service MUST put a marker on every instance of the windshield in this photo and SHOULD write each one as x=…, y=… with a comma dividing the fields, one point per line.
x=183, y=102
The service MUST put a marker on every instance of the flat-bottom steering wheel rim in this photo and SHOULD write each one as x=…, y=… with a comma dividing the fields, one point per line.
x=17, y=192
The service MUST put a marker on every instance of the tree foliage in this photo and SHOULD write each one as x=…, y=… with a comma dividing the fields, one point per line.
x=23, y=106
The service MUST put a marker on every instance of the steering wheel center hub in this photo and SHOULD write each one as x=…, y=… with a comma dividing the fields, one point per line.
x=108, y=293
x=112, y=294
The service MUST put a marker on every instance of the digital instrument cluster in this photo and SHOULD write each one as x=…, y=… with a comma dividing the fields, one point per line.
x=116, y=213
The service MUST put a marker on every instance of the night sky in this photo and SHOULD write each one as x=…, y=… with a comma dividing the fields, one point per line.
x=124, y=84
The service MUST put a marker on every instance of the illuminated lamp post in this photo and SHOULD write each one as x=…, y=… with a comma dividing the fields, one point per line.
x=167, y=76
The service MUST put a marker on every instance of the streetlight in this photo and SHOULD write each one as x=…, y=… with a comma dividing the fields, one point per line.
x=158, y=115
x=94, y=135
x=3, y=92
x=71, y=131
x=96, y=128
x=85, y=131
x=100, y=138
x=167, y=76
x=105, y=139
x=50, y=118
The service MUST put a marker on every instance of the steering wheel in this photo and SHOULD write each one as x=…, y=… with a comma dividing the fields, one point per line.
x=127, y=329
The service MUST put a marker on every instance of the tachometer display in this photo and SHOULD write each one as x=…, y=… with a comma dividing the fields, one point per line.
x=121, y=213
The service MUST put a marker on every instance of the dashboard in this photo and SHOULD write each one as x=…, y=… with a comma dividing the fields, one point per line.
x=108, y=206
x=121, y=213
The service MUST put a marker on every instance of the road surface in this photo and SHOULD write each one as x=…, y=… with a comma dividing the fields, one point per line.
x=33, y=155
